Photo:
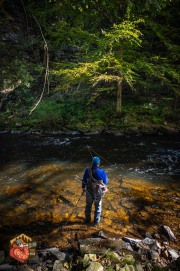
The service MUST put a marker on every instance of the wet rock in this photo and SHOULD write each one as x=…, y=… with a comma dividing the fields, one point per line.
x=133, y=242
x=148, y=235
x=165, y=230
x=153, y=244
x=173, y=254
x=1, y=256
x=94, y=266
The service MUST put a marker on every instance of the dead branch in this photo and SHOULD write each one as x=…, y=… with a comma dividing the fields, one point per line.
x=46, y=76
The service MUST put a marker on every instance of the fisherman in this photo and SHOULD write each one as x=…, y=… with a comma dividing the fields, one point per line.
x=94, y=181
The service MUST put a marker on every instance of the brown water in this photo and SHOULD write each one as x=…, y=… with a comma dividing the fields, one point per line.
x=39, y=187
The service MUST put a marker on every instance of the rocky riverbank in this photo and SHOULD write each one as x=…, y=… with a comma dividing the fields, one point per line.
x=133, y=131
x=99, y=252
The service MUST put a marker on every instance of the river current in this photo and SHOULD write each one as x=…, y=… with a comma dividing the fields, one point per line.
x=40, y=184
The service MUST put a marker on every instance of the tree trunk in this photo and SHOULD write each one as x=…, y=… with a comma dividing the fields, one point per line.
x=119, y=96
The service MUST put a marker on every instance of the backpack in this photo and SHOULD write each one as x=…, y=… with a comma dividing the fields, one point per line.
x=96, y=187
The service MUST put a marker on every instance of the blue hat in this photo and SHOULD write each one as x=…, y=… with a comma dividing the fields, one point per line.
x=96, y=160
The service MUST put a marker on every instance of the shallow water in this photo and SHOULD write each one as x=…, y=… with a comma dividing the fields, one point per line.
x=40, y=187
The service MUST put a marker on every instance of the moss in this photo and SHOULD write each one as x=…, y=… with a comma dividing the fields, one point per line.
x=113, y=256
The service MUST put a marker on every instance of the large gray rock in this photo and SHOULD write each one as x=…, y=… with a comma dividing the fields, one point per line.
x=173, y=254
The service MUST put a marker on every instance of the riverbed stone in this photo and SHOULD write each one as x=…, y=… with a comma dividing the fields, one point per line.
x=94, y=266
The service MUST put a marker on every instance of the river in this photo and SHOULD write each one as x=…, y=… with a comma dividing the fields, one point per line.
x=40, y=185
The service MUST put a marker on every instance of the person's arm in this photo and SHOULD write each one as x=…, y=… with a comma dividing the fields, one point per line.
x=85, y=178
x=105, y=178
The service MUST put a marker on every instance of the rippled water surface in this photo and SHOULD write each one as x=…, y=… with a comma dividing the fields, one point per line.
x=40, y=185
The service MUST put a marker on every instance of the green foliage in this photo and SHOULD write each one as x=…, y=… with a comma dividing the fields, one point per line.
x=127, y=43
x=17, y=74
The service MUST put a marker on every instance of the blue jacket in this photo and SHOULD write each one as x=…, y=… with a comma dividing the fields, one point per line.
x=99, y=174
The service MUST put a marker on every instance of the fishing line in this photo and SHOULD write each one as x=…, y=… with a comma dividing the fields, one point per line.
x=90, y=149
x=67, y=221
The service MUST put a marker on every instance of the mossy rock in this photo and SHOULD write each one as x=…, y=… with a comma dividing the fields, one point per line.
x=128, y=259
x=113, y=256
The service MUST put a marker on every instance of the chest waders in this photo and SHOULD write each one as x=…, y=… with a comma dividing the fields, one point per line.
x=95, y=190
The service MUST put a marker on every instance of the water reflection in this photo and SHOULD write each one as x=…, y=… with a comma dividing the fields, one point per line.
x=39, y=187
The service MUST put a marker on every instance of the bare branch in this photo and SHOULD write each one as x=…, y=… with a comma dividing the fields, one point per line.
x=46, y=76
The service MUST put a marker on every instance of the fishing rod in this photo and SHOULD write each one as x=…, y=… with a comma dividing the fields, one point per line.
x=67, y=221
